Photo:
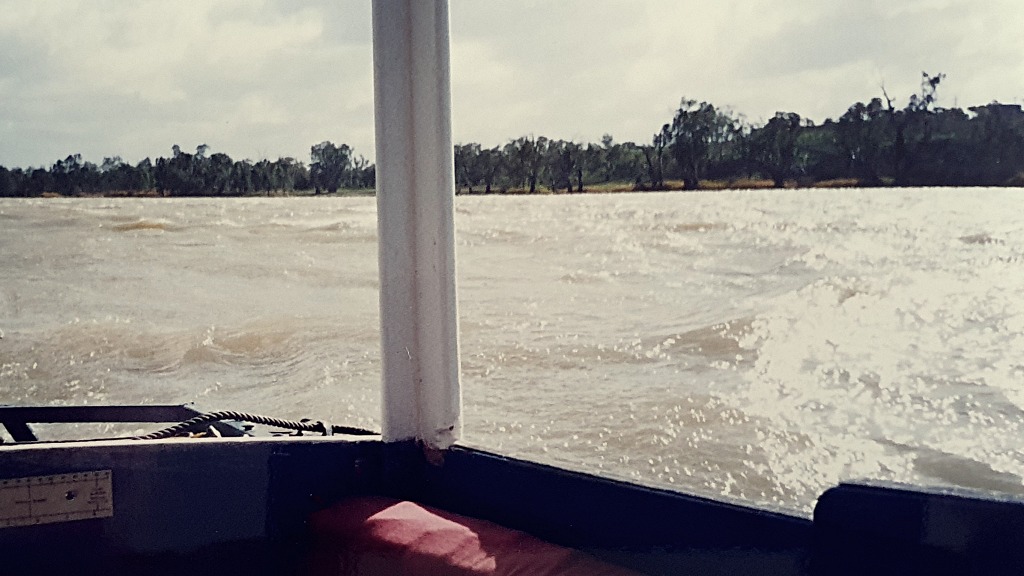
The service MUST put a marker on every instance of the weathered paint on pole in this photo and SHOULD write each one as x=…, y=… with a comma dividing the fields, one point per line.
x=415, y=220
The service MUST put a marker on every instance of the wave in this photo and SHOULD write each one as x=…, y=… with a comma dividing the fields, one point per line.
x=280, y=344
x=139, y=348
x=585, y=277
x=341, y=232
x=517, y=237
x=946, y=468
x=981, y=238
x=145, y=224
x=690, y=227
x=536, y=349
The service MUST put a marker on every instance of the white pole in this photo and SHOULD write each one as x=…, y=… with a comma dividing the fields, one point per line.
x=415, y=221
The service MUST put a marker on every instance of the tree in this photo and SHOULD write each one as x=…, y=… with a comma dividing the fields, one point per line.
x=610, y=153
x=864, y=135
x=774, y=146
x=330, y=166
x=591, y=162
x=241, y=177
x=218, y=174
x=364, y=174
x=562, y=163
x=290, y=175
x=40, y=181
x=997, y=147
x=490, y=163
x=696, y=130
x=533, y=154
x=182, y=174
x=467, y=170
x=525, y=156
x=7, y=187
x=912, y=127
x=64, y=174
x=654, y=156
x=117, y=176
x=262, y=176
x=144, y=173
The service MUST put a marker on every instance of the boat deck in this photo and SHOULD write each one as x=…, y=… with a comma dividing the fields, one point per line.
x=244, y=504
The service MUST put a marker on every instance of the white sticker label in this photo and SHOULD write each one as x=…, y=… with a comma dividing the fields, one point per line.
x=56, y=498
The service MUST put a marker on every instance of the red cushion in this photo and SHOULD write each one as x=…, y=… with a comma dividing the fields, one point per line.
x=376, y=535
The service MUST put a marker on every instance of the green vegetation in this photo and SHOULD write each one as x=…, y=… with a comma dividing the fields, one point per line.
x=198, y=174
x=872, y=144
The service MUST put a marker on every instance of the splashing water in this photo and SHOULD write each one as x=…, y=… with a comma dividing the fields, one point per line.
x=758, y=346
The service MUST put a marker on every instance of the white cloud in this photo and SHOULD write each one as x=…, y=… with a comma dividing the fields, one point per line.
x=131, y=79
x=273, y=77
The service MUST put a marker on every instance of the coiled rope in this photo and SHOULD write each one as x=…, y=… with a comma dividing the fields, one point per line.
x=205, y=419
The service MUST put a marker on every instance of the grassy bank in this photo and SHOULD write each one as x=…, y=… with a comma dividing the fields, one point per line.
x=153, y=193
x=677, y=185
x=598, y=188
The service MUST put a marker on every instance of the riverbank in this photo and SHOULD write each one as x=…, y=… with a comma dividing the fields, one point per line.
x=599, y=188
x=153, y=193
x=677, y=186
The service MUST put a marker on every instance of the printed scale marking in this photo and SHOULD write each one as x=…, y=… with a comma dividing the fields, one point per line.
x=55, y=498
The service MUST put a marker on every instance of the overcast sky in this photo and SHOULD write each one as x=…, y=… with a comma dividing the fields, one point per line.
x=264, y=79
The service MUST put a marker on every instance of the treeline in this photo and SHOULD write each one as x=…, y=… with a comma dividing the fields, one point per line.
x=200, y=174
x=878, y=143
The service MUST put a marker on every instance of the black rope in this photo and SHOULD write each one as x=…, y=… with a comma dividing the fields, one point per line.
x=208, y=418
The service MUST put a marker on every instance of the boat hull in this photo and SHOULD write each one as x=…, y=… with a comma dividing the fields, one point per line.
x=215, y=505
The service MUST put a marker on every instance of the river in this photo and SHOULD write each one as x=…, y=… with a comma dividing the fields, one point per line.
x=755, y=346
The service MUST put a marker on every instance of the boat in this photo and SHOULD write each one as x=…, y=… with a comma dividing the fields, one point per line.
x=229, y=492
